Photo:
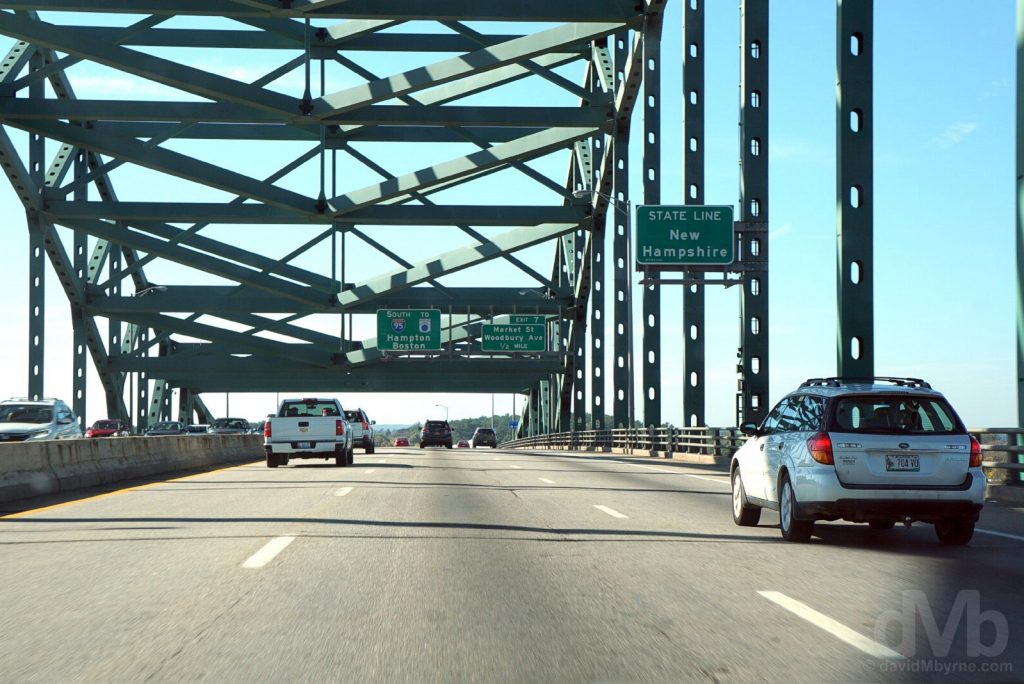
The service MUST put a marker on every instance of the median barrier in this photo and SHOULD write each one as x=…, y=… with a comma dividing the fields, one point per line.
x=29, y=469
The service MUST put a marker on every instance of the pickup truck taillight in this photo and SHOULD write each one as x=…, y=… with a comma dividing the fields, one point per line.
x=266, y=430
x=339, y=427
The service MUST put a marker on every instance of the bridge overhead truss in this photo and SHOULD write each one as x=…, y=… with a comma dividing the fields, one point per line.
x=283, y=169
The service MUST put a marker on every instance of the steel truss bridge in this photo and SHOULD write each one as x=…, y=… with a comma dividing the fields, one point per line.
x=219, y=225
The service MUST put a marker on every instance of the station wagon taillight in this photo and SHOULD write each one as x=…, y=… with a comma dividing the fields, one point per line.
x=820, y=446
x=975, y=453
x=339, y=427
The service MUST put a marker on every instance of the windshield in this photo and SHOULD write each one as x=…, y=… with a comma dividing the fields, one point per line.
x=229, y=423
x=885, y=414
x=166, y=426
x=25, y=413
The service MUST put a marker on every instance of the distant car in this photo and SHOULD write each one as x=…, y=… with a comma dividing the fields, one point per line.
x=166, y=427
x=362, y=428
x=873, y=450
x=229, y=426
x=484, y=436
x=401, y=441
x=463, y=444
x=436, y=433
x=23, y=420
x=200, y=429
x=108, y=428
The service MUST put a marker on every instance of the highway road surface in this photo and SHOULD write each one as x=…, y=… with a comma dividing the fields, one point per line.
x=465, y=565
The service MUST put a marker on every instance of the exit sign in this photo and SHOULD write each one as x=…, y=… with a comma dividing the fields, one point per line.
x=688, y=235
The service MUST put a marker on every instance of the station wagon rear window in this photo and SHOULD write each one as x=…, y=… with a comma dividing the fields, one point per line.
x=894, y=414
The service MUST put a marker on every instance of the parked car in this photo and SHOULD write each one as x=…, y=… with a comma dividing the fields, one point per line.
x=436, y=433
x=308, y=428
x=198, y=429
x=880, y=451
x=229, y=426
x=166, y=427
x=108, y=428
x=463, y=444
x=362, y=429
x=24, y=420
x=484, y=436
x=401, y=441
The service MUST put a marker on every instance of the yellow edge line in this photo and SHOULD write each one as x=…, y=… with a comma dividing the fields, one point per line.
x=105, y=495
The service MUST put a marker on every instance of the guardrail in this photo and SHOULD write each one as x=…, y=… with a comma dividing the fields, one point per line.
x=1002, y=447
x=1002, y=450
x=706, y=444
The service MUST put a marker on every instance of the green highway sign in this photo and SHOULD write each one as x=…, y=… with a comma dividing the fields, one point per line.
x=516, y=319
x=688, y=235
x=409, y=329
x=524, y=337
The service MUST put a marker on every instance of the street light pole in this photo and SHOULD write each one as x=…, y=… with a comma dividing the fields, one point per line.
x=445, y=411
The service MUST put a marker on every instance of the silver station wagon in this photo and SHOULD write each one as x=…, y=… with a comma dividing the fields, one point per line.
x=877, y=450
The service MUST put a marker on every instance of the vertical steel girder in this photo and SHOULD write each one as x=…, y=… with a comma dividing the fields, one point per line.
x=597, y=299
x=752, y=396
x=622, y=376
x=80, y=262
x=37, y=254
x=650, y=325
x=855, y=338
x=693, y=193
x=1020, y=216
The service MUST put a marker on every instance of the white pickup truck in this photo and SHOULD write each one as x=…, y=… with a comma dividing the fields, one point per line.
x=308, y=428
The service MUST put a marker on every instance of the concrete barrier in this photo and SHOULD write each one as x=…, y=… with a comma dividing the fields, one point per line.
x=29, y=469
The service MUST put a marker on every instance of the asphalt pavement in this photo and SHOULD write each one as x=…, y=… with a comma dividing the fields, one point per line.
x=471, y=565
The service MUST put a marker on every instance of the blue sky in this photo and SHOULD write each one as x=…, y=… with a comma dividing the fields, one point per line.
x=944, y=211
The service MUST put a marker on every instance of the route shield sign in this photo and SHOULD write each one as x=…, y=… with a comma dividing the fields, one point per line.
x=409, y=329
x=525, y=337
x=688, y=235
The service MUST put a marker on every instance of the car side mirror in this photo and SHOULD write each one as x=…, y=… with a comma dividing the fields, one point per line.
x=373, y=422
x=750, y=429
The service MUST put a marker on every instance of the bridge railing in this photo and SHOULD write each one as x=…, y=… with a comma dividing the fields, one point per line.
x=706, y=444
x=1002, y=451
x=1002, y=448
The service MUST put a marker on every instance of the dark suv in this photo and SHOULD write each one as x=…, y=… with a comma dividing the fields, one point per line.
x=484, y=437
x=436, y=433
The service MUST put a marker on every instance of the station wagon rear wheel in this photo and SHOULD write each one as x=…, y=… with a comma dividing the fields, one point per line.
x=954, y=531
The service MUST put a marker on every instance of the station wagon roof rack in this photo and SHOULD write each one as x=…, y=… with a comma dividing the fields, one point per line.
x=839, y=382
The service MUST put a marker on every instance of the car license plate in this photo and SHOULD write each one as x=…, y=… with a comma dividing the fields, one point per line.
x=303, y=445
x=907, y=463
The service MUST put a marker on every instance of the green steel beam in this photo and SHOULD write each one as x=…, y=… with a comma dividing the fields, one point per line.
x=1020, y=218
x=694, y=366
x=650, y=320
x=855, y=268
x=450, y=262
x=622, y=292
x=467, y=65
x=408, y=10
x=753, y=395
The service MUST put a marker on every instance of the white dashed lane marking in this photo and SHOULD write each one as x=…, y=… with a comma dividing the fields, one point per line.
x=610, y=511
x=268, y=552
x=343, y=491
x=546, y=480
x=833, y=627
x=1000, y=534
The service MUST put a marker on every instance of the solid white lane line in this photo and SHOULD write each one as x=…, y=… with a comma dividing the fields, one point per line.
x=1000, y=534
x=836, y=629
x=517, y=467
x=546, y=480
x=711, y=479
x=368, y=471
x=343, y=491
x=268, y=552
x=610, y=511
